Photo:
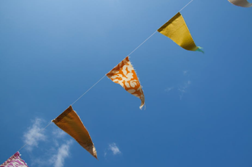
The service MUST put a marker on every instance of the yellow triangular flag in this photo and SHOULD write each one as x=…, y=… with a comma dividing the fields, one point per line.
x=177, y=30
x=71, y=123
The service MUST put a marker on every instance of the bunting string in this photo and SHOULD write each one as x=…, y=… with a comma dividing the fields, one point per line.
x=105, y=74
x=185, y=5
x=128, y=55
x=142, y=43
x=41, y=131
x=88, y=90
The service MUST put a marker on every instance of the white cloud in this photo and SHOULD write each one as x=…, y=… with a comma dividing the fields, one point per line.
x=115, y=150
x=58, y=133
x=183, y=88
x=63, y=152
x=34, y=134
x=169, y=89
x=54, y=151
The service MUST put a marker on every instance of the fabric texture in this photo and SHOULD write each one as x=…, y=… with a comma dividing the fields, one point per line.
x=14, y=161
x=242, y=3
x=125, y=75
x=70, y=122
x=177, y=30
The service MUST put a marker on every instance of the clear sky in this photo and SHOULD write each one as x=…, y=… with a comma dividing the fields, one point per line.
x=198, y=106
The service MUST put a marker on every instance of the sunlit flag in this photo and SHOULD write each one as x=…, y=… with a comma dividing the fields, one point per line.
x=242, y=3
x=177, y=30
x=14, y=161
x=125, y=75
x=71, y=123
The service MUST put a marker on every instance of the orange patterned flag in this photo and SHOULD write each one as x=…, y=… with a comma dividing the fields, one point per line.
x=125, y=75
x=71, y=123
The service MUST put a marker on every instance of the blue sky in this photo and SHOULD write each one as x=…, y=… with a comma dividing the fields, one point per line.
x=198, y=106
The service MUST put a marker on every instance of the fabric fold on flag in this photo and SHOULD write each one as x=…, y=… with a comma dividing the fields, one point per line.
x=14, y=161
x=70, y=122
x=125, y=75
x=177, y=30
x=241, y=3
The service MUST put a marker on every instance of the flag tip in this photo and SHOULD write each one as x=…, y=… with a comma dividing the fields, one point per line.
x=200, y=49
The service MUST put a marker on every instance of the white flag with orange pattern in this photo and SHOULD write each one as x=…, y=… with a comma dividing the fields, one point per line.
x=125, y=75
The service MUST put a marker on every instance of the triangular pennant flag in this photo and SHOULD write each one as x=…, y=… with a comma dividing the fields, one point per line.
x=177, y=30
x=125, y=75
x=14, y=161
x=242, y=3
x=71, y=123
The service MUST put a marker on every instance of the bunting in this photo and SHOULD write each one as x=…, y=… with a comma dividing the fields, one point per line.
x=177, y=30
x=71, y=123
x=125, y=75
x=14, y=161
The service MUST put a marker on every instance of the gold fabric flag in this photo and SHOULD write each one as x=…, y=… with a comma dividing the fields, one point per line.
x=177, y=30
x=71, y=123
x=125, y=75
